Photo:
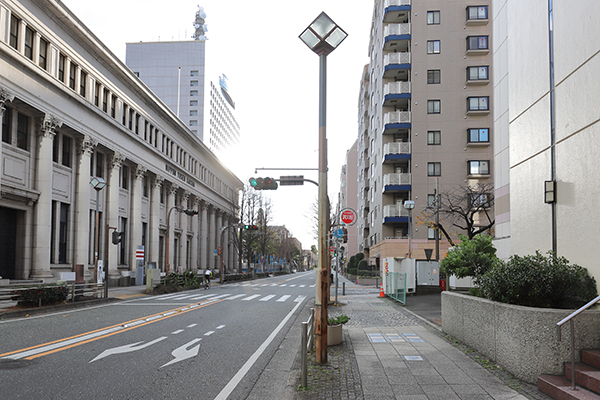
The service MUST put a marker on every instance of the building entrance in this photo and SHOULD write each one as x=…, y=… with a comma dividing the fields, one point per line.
x=8, y=242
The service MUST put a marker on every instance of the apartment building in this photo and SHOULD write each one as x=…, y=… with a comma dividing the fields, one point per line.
x=348, y=197
x=71, y=111
x=546, y=126
x=424, y=116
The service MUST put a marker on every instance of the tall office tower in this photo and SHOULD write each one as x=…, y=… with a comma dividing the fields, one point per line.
x=424, y=117
x=175, y=71
x=224, y=130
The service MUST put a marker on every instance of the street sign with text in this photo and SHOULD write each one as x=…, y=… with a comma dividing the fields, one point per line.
x=348, y=216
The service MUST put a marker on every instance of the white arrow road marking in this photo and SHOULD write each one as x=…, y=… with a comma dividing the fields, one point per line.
x=182, y=353
x=127, y=348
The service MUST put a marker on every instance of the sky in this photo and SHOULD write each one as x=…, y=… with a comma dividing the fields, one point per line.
x=273, y=79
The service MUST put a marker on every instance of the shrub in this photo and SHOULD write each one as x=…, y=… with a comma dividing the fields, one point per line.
x=341, y=319
x=539, y=281
x=470, y=258
x=40, y=295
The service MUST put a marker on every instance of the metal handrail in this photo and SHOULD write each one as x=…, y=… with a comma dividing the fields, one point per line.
x=572, y=325
x=307, y=336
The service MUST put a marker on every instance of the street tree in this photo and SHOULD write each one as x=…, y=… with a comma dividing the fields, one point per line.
x=466, y=209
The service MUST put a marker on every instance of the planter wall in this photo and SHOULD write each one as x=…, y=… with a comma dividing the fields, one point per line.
x=522, y=340
x=334, y=335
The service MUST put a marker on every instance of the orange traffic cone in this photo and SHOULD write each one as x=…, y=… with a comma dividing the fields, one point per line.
x=381, y=294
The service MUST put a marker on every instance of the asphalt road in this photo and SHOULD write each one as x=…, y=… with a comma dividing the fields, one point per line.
x=202, y=344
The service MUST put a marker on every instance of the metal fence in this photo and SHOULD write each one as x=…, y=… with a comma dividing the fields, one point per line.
x=74, y=291
x=395, y=286
x=308, y=330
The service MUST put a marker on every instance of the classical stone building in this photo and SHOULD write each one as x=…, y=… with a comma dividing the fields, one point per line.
x=71, y=111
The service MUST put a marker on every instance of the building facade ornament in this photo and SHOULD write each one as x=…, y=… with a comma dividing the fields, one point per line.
x=140, y=172
x=5, y=96
x=159, y=180
x=86, y=145
x=47, y=125
x=117, y=160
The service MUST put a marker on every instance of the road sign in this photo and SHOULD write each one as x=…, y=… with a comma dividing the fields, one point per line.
x=139, y=253
x=348, y=216
x=339, y=233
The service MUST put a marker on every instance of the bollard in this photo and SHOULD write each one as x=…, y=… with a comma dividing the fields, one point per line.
x=343, y=288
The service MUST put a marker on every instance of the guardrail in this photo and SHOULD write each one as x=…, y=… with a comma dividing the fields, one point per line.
x=74, y=290
x=308, y=330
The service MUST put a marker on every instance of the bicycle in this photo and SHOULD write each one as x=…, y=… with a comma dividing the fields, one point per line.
x=206, y=283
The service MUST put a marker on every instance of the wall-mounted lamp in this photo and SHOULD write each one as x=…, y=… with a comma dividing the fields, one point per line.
x=549, y=192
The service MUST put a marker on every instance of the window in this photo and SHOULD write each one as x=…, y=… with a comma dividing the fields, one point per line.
x=193, y=93
x=82, y=83
x=193, y=83
x=478, y=167
x=62, y=59
x=194, y=73
x=193, y=122
x=434, y=169
x=29, y=35
x=15, y=24
x=433, y=17
x=99, y=165
x=193, y=113
x=43, y=56
x=97, y=94
x=480, y=200
x=434, y=137
x=145, y=188
x=433, y=76
x=22, y=132
x=6, y=125
x=125, y=177
x=122, y=244
x=72, y=77
x=113, y=106
x=105, y=100
x=124, y=119
x=431, y=233
x=478, y=103
x=477, y=73
x=193, y=103
x=430, y=200
x=434, y=106
x=66, y=151
x=61, y=225
x=478, y=135
x=433, y=47
x=477, y=12
x=477, y=43
x=162, y=195
x=131, y=118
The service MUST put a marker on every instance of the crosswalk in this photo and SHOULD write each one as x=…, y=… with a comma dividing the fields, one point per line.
x=248, y=284
x=225, y=296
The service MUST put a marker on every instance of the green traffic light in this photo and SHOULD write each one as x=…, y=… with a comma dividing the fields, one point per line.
x=253, y=182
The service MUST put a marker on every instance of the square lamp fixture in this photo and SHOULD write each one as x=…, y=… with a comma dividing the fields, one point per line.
x=549, y=192
x=98, y=183
x=323, y=35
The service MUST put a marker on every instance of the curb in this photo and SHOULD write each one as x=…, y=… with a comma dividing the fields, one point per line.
x=6, y=314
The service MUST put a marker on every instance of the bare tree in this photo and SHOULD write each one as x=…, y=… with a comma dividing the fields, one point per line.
x=468, y=209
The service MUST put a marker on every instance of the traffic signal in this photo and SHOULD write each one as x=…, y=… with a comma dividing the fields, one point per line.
x=191, y=213
x=291, y=180
x=117, y=237
x=263, y=183
x=251, y=227
x=219, y=251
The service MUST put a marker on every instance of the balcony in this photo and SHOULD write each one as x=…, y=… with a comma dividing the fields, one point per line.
x=396, y=122
x=396, y=182
x=394, y=151
x=396, y=94
x=396, y=10
x=396, y=37
x=397, y=65
x=394, y=213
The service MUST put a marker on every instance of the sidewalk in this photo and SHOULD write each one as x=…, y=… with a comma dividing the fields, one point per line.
x=391, y=351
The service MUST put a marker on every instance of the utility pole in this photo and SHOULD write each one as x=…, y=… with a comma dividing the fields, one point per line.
x=437, y=219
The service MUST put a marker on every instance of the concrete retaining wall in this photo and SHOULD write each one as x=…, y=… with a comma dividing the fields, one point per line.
x=522, y=340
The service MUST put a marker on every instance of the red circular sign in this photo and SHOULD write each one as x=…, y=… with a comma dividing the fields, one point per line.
x=348, y=216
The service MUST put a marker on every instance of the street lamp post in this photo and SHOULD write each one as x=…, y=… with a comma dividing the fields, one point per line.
x=98, y=184
x=181, y=210
x=409, y=205
x=322, y=36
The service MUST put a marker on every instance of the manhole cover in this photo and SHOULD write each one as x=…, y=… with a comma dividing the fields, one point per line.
x=14, y=364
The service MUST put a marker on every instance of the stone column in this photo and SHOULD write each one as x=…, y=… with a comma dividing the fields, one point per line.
x=135, y=220
x=82, y=205
x=5, y=96
x=218, y=226
x=170, y=224
x=204, y=236
x=154, y=225
x=212, y=240
x=43, y=209
x=195, y=237
x=226, y=266
x=112, y=211
x=183, y=261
